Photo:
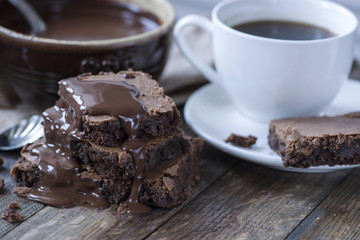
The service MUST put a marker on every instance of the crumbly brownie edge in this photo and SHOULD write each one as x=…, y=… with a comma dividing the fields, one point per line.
x=25, y=173
x=329, y=150
x=176, y=183
x=315, y=151
x=159, y=124
x=101, y=159
x=107, y=133
x=117, y=168
x=274, y=140
x=111, y=133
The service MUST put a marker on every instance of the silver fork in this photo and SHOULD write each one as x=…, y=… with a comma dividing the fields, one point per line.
x=26, y=131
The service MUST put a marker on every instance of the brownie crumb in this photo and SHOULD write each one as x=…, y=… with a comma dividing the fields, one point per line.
x=342, y=209
x=11, y=214
x=14, y=206
x=2, y=184
x=22, y=191
x=122, y=209
x=62, y=214
x=1, y=161
x=241, y=141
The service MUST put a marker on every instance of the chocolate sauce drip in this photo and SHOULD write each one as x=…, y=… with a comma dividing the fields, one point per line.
x=62, y=128
x=136, y=148
x=63, y=182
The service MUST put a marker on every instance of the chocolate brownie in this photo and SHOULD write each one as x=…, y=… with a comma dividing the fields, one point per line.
x=117, y=167
x=25, y=171
x=171, y=182
x=160, y=118
x=165, y=185
x=315, y=141
x=156, y=150
x=110, y=138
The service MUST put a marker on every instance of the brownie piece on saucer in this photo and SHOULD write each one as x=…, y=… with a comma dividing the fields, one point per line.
x=241, y=141
x=315, y=141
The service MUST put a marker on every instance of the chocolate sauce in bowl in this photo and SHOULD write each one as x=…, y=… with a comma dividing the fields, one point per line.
x=63, y=182
x=91, y=20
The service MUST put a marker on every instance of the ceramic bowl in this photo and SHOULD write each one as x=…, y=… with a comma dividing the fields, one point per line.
x=31, y=66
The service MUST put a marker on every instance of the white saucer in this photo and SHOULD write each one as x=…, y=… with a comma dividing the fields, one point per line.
x=210, y=113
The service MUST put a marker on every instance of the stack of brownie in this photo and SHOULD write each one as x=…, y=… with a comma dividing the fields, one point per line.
x=115, y=137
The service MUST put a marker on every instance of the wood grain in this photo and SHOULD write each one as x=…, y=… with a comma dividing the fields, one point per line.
x=337, y=217
x=50, y=223
x=251, y=202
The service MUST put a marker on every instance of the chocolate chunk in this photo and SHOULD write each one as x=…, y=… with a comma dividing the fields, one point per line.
x=241, y=141
x=315, y=141
x=11, y=214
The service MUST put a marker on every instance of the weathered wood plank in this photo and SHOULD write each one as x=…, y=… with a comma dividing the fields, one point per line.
x=337, y=217
x=51, y=223
x=28, y=208
x=251, y=202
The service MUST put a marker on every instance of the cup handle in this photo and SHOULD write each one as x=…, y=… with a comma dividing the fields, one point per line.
x=204, y=24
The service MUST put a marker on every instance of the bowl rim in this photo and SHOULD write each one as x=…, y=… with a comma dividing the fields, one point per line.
x=44, y=43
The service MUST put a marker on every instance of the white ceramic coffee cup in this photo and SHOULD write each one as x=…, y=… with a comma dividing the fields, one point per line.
x=270, y=78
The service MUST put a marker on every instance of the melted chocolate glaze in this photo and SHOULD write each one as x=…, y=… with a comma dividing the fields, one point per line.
x=62, y=183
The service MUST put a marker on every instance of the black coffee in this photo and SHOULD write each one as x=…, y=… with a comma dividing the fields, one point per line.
x=284, y=30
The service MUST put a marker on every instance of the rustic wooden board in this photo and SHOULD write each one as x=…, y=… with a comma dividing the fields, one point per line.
x=338, y=216
x=28, y=208
x=50, y=223
x=251, y=202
